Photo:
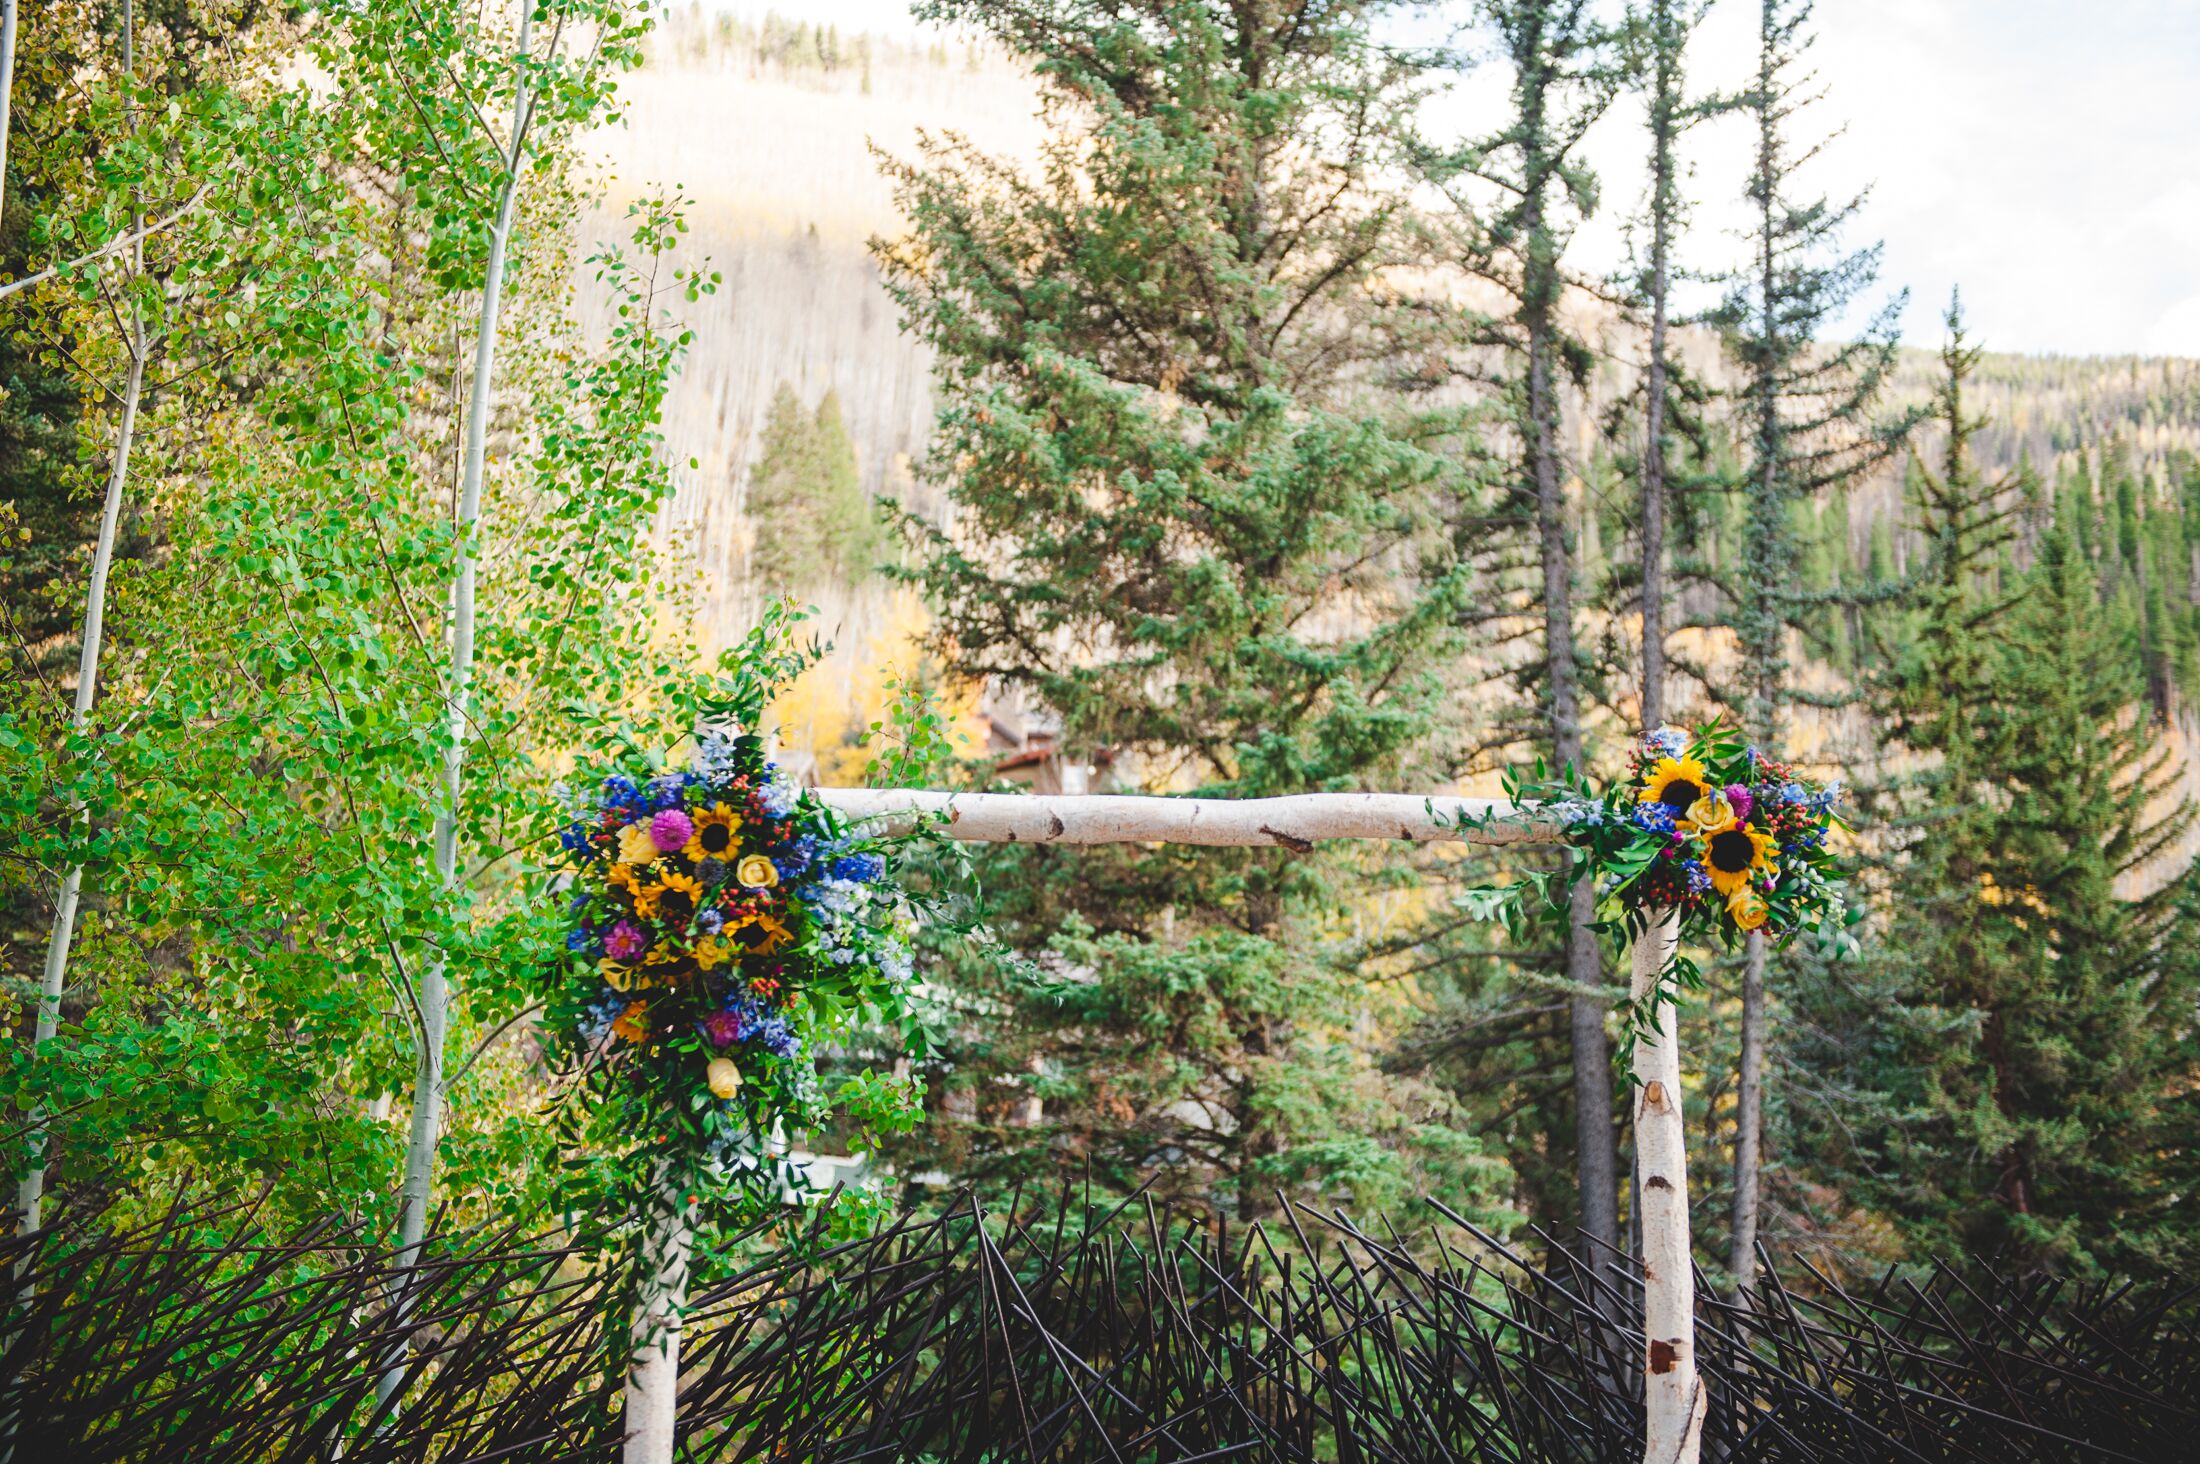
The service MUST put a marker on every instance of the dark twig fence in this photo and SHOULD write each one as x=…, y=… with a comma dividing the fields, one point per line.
x=1063, y=1332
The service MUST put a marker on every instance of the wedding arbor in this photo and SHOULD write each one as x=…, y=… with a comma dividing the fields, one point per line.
x=1674, y=1399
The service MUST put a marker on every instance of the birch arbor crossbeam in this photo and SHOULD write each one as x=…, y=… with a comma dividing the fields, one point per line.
x=1297, y=822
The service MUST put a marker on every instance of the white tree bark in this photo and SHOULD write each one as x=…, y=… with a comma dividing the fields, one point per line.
x=1749, y=1117
x=1673, y=1396
x=653, y=1373
x=7, y=87
x=433, y=996
x=1297, y=822
x=30, y=1189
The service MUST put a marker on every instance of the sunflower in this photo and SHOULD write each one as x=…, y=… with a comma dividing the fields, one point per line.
x=758, y=934
x=1676, y=782
x=621, y=975
x=625, y=877
x=1735, y=853
x=636, y=846
x=671, y=902
x=716, y=828
x=711, y=952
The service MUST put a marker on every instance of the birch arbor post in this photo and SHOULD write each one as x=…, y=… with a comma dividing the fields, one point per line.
x=1674, y=1401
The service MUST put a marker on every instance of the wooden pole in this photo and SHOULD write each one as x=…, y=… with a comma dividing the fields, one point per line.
x=1673, y=1396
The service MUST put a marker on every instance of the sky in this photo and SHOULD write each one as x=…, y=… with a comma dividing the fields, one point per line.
x=2043, y=155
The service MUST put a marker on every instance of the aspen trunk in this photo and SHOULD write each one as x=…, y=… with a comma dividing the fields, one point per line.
x=7, y=87
x=433, y=996
x=30, y=1189
x=653, y=1373
x=1749, y=1108
x=1673, y=1396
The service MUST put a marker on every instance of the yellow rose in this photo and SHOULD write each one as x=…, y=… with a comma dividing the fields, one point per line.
x=1748, y=908
x=1711, y=814
x=725, y=1078
x=636, y=846
x=710, y=952
x=757, y=872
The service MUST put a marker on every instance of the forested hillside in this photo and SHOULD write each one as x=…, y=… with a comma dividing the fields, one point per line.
x=788, y=220
x=400, y=418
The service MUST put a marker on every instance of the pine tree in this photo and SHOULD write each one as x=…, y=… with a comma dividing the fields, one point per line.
x=1521, y=194
x=814, y=525
x=1810, y=406
x=1169, y=477
x=2015, y=1043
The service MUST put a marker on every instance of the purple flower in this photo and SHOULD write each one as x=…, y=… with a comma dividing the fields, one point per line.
x=722, y=1028
x=625, y=941
x=710, y=922
x=1741, y=799
x=670, y=830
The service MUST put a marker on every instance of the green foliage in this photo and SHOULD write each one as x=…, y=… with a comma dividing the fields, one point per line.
x=2021, y=1030
x=244, y=1000
x=1169, y=474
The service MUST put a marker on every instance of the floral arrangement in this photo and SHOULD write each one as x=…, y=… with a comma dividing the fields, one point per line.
x=1704, y=825
x=720, y=923
x=1708, y=826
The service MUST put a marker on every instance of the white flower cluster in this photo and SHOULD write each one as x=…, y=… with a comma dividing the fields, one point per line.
x=713, y=755
x=835, y=907
x=778, y=796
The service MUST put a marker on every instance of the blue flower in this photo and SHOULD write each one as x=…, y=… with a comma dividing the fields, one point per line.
x=776, y=796
x=668, y=791
x=1699, y=878
x=758, y=1023
x=710, y=922
x=582, y=940
x=595, y=1022
x=1655, y=817
x=619, y=791
x=575, y=840
x=1794, y=793
x=794, y=856
x=857, y=868
x=714, y=756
